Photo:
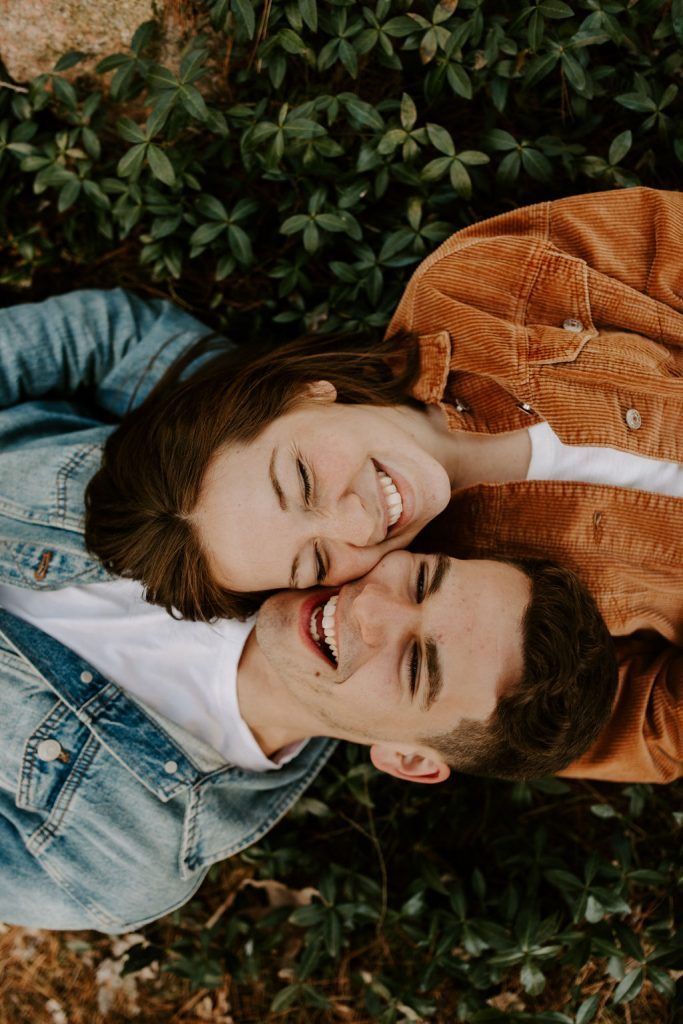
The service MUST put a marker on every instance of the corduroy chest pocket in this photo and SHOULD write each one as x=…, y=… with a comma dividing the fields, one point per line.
x=558, y=312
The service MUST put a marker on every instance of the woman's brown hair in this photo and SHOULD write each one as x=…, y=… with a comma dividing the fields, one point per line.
x=140, y=504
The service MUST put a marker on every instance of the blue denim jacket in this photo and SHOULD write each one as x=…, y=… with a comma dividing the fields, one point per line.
x=110, y=815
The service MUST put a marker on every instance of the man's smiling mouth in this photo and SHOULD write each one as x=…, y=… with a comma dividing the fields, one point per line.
x=323, y=628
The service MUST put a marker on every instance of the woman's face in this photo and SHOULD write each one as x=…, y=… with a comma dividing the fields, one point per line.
x=319, y=496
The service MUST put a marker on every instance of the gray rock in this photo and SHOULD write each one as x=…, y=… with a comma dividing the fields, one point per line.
x=34, y=34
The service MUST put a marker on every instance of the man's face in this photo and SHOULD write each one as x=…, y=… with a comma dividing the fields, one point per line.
x=409, y=650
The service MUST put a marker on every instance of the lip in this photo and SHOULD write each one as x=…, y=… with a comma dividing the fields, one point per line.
x=407, y=498
x=316, y=598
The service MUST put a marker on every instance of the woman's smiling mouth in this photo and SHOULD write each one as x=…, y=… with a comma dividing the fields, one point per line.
x=392, y=498
x=398, y=503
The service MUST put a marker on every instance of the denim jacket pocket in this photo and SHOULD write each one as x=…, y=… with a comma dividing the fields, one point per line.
x=43, y=486
x=49, y=564
x=56, y=757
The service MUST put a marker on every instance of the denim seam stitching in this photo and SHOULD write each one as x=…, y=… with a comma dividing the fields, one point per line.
x=49, y=829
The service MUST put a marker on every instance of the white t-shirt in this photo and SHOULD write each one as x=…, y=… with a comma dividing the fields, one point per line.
x=553, y=460
x=187, y=671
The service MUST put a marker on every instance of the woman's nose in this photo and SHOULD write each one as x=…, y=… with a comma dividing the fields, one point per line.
x=350, y=522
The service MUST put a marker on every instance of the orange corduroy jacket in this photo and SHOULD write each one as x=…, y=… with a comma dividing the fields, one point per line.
x=572, y=312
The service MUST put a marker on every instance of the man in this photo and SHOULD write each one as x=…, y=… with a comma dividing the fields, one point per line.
x=115, y=799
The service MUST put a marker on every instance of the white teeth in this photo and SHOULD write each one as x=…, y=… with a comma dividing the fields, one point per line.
x=328, y=625
x=328, y=617
x=391, y=496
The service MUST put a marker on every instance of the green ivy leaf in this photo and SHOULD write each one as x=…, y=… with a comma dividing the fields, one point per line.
x=193, y=101
x=441, y=139
x=160, y=166
x=240, y=244
x=617, y=151
x=68, y=194
x=629, y=987
x=555, y=9
x=206, y=233
x=245, y=13
x=130, y=164
x=408, y=112
x=69, y=60
x=636, y=101
x=130, y=131
x=209, y=206
x=587, y=1010
x=460, y=179
x=677, y=19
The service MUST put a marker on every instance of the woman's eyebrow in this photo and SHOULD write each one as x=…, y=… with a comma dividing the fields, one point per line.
x=279, y=493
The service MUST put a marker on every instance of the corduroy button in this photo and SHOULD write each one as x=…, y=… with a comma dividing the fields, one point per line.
x=525, y=407
x=573, y=325
x=634, y=420
x=48, y=750
x=461, y=406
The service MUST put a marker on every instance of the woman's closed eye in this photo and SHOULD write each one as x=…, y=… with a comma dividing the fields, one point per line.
x=320, y=567
x=305, y=478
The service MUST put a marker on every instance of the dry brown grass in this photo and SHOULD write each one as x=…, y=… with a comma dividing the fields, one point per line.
x=71, y=978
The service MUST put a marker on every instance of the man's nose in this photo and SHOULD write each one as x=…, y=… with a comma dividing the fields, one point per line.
x=377, y=614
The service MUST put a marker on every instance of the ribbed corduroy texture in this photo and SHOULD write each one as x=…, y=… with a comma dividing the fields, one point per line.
x=572, y=312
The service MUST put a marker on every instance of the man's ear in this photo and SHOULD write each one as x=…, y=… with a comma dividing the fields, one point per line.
x=321, y=391
x=411, y=767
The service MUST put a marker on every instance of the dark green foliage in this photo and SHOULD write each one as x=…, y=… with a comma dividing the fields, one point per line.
x=290, y=172
x=296, y=177
x=560, y=897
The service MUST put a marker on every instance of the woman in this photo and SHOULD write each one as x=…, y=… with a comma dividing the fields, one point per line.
x=532, y=371
x=566, y=318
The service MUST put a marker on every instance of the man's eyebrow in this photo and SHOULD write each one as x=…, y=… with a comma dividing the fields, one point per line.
x=443, y=565
x=279, y=493
x=293, y=582
x=434, y=673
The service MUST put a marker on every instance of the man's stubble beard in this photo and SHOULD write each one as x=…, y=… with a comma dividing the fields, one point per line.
x=275, y=620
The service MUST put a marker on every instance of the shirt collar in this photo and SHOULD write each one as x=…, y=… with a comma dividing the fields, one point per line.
x=435, y=364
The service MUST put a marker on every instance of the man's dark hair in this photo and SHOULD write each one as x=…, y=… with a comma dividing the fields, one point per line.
x=566, y=693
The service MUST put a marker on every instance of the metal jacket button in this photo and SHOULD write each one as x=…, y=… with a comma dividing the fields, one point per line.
x=634, y=420
x=171, y=767
x=571, y=324
x=460, y=406
x=86, y=677
x=525, y=407
x=49, y=750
